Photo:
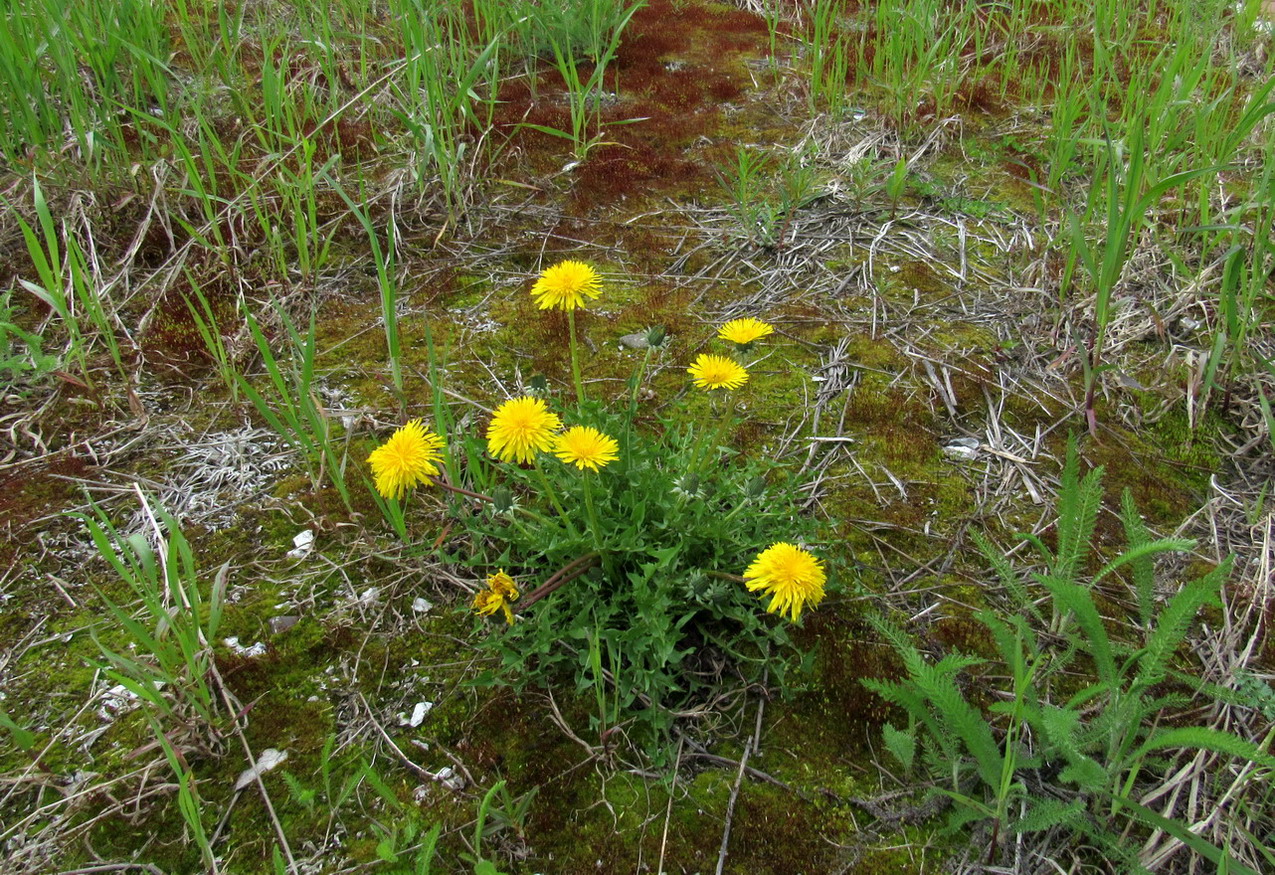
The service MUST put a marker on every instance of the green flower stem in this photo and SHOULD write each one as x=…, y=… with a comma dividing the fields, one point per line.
x=522, y=529
x=575, y=359
x=727, y=418
x=608, y=564
x=594, y=528
x=637, y=383
x=544, y=521
x=553, y=499
x=736, y=509
x=633, y=396
x=700, y=429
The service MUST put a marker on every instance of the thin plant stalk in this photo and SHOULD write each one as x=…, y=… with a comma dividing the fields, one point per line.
x=553, y=497
x=575, y=359
x=632, y=411
x=710, y=452
x=594, y=529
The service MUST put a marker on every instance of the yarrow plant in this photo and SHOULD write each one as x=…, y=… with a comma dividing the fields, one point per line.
x=652, y=556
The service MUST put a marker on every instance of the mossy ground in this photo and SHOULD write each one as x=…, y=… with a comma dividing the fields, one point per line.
x=924, y=359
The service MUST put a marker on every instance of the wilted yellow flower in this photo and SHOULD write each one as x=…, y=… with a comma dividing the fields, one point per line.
x=409, y=457
x=500, y=591
x=566, y=285
x=744, y=331
x=717, y=372
x=791, y=575
x=503, y=585
x=586, y=447
x=520, y=428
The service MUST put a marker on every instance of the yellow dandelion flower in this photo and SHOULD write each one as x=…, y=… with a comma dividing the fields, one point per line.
x=566, y=286
x=409, y=457
x=717, y=372
x=791, y=575
x=503, y=585
x=745, y=331
x=520, y=428
x=487, y=602
x=586, y=447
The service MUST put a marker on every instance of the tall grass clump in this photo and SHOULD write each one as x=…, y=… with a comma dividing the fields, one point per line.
x=170, y=654
x=290, y=404
x=45, y=249
x=72, y=67
x=447, y=91
x=829, y=55
x=384, y=259
x=914, y=52
x=1124, y=188
x=532, y=29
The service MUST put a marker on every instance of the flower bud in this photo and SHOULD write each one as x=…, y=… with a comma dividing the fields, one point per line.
x=502, y=499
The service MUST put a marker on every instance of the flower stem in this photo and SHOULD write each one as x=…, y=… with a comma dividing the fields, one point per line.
x=633, y=396
x=710, y=453
x=594, y=528
x=566, y=574
x=575, y=359
x=553, y=499
x=443, y=484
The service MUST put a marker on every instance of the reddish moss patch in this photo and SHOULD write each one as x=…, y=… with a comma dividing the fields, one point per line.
x=676, y=67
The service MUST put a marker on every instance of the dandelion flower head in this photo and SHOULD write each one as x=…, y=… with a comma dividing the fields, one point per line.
x=566, y=286
x=500, y=591
x=409, y=457
x=586, y=447
x=503, y=585
x=745, y=331
x=520, y=428
x=717, y=372
x=790, y=575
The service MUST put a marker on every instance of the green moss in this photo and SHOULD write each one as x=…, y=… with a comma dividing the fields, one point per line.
x=1164, y=490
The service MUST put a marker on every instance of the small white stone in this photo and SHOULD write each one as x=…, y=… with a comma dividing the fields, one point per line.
x=421, y=605
x=302, y=544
